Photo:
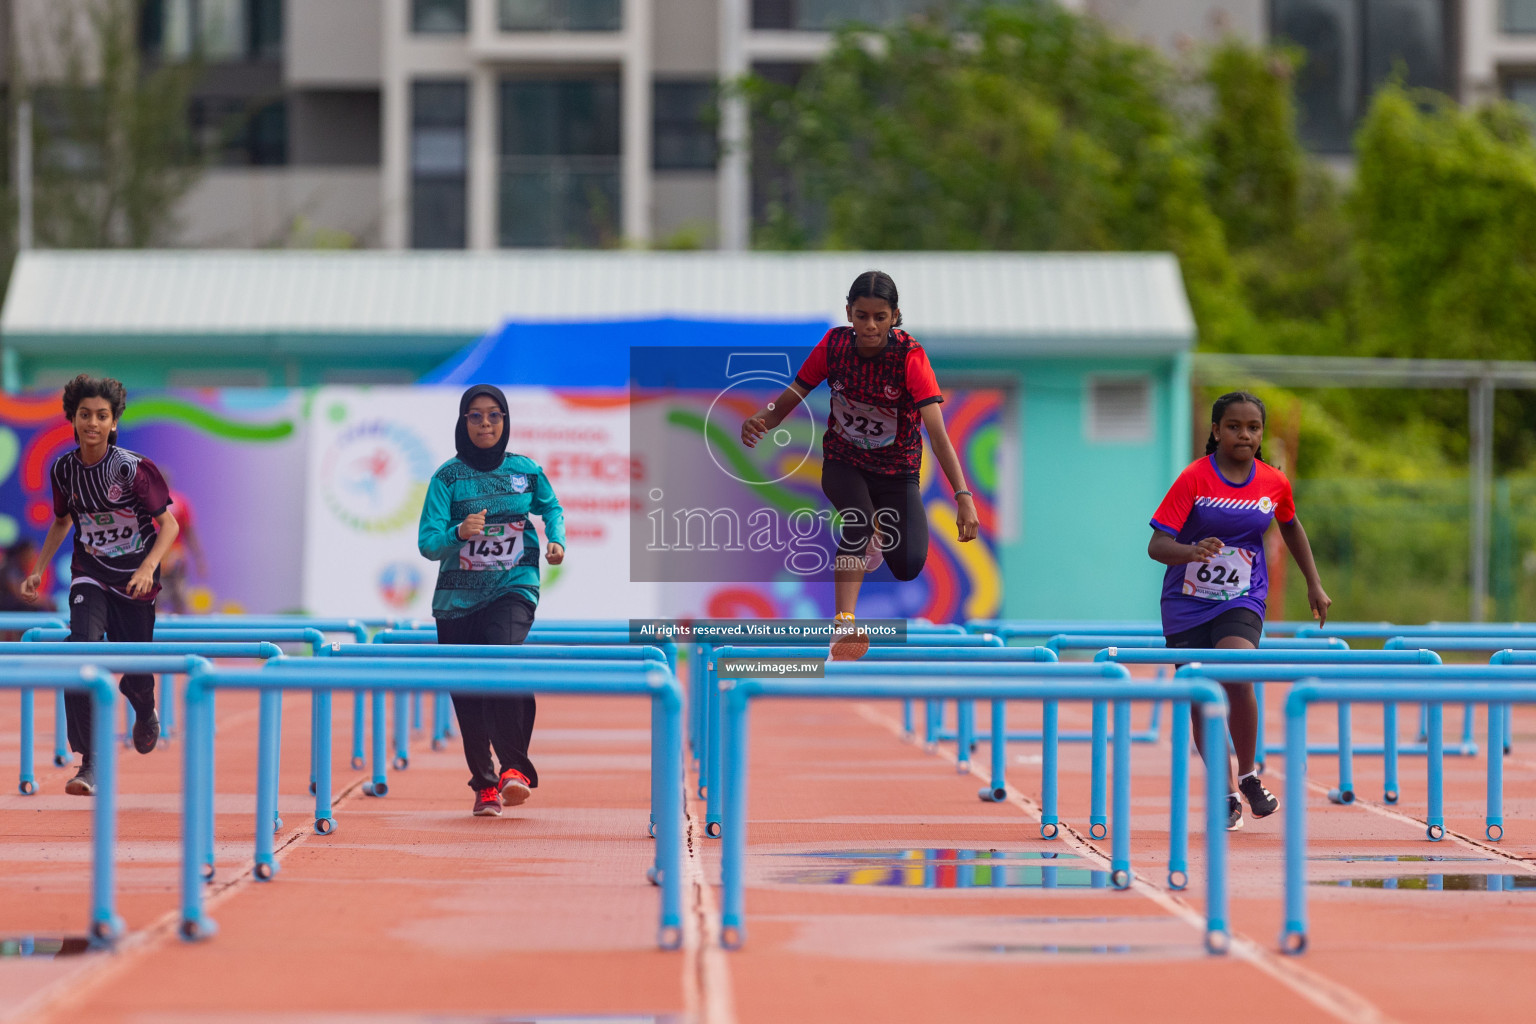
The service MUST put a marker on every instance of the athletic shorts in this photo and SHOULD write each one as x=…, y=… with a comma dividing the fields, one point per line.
x=1240, y=622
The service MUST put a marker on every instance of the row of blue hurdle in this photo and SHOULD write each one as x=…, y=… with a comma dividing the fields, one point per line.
x=884, y=675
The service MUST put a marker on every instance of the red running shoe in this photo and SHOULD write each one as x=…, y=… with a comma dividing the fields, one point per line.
x=515, y=787
x=488, y=802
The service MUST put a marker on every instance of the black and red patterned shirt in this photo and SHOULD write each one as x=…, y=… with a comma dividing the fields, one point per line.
x=875, y=424
x=114, y=503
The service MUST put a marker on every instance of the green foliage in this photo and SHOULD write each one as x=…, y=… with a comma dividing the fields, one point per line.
x=1009, y=126
x=113, y=152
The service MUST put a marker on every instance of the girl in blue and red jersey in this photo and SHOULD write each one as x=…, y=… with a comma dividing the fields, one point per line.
x=1209, y=531
x=883, y=394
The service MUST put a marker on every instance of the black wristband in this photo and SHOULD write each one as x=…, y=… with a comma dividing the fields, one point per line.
x=958, y=493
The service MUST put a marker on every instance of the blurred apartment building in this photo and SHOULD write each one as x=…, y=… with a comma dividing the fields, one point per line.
x=484, y=124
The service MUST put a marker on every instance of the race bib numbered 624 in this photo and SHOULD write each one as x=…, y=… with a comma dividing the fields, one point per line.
x=111, y=534
x=864, y=426
x=1227, y=576
x=499, y=548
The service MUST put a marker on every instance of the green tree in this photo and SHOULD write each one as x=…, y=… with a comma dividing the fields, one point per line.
x=113, y=152
x=1002, y=126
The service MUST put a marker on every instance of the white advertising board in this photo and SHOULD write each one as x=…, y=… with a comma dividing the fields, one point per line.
x=371, y=454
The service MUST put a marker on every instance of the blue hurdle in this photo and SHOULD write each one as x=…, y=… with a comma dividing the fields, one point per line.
x=324, y=677
x=96, y=652
x=1398, y=676
x=1042, y=682
x=706, y=740
x=105, y=924
x=997, y=788
x=378, y=784
x=1285, y=667
x=611, y=638
x=1490, y=643
x=21, y=621
x=1294, y=938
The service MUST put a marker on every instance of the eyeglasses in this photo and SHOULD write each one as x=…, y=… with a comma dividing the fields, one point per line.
x=477, y=418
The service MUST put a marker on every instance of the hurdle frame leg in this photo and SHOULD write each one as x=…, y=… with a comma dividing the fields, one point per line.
x=1493, y=825
x=1120, y=874
x=358, y=699
x=1098, y=822
x=402, y=731
x=1050, y=749
x=61, y=754
x=996, y=791
x=1390, y=788
x=267, y=763
x=1345, y=793
x=325, y=818
x=26, y=781
x=106, y=925
x=1435, y=820
x=1178, y=804
x=1293, y=939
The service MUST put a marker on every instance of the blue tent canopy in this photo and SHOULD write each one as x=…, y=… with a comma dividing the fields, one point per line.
x=598, y=354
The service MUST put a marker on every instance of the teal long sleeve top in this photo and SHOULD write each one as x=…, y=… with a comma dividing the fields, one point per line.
x=473, y=573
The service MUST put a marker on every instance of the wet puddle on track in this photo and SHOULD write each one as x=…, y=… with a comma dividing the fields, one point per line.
x=942, y=868
x=43, y=947
x=1438, y=883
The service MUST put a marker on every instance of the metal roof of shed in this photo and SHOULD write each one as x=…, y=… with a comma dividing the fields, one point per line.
x=1077, y=303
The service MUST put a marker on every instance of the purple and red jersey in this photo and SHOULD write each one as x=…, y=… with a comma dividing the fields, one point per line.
x=1202, y=503
x=113, y=503
x=874, y=424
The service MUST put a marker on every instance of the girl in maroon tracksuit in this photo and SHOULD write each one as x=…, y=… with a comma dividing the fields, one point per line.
x=883, y=394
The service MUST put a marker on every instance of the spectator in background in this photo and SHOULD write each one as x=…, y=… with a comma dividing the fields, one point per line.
x=20, y=559
x=174, y=573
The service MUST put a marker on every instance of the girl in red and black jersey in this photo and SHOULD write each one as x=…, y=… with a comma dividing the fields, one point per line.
x=883, y=394
x=118, y=503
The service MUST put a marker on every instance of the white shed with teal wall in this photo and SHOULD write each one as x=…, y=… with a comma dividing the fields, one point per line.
x=1092, y=349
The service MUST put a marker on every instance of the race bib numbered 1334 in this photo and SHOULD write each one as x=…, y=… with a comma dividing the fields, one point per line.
x=111, y=534
x=1228, y=575
x=499, y=548
x=864, y=426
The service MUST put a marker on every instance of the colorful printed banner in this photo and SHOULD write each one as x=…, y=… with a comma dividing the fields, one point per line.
x=235, y=462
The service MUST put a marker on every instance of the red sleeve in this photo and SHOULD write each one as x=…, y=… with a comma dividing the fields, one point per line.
x=60, y=499
x=1285, y=501
x=922, y=385
x=814, y=370
x=150, y=489
x=1172, y=513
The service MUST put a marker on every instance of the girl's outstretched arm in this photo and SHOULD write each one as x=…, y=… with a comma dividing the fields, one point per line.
x=1301, y=549
x=949, y=462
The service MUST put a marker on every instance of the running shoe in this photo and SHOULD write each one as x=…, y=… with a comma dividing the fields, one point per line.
x=850, y=646
x=1260, y=800
x=84, y=782
x=488, y=802
x=146, y=730
x=514, y=787
x=1234, y=814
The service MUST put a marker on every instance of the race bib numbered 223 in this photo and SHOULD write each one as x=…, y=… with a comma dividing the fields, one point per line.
x=864, y=426
x=498, y=549
x=111, y=534
x=1229, y=575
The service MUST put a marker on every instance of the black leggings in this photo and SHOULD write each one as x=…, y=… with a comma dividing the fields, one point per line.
x=96, y=614
x=486, y=722
x=891, y=503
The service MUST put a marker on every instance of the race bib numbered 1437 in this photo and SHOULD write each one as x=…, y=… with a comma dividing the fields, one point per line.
x=1224, y=577
x=499, y=548
x=864, y=426
x=111, y=534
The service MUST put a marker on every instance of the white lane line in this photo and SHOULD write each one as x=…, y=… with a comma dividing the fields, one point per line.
x=707, y=992
x=1326, y=994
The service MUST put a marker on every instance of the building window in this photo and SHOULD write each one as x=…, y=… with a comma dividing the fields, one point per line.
x=440, y=17
x=236, y=132
x=560, y=15
x=1521, y=89
x=1119, y=409
x=686, y=132
x=439, y=164
x=217, y=31
x=825, y=15
x=1517, y=15
x=1351, y=48
x=559, y=181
